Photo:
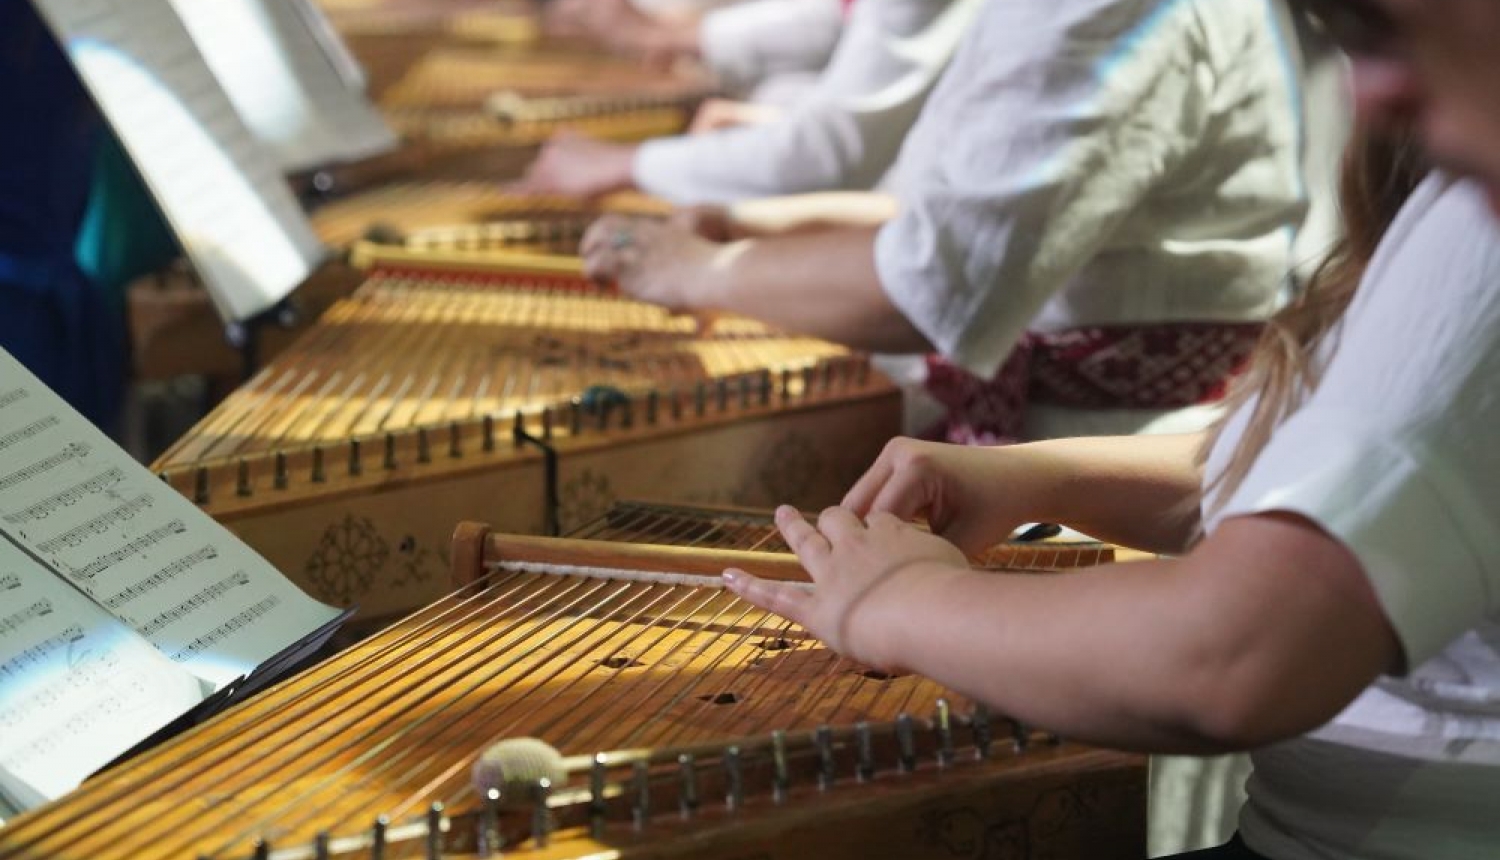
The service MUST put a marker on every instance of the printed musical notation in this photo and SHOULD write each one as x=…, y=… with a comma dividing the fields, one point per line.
x=98, y=519
x=66, y=498
x=134, y=548
x=70, y=452
x=16, y=620
x=203, y=598
x=238, y=622
x=283, y=81
x=12, y=396
x=98, y=525
x=77, y=687
x=235, y=215
x=160, y=578
x=189, y=608
x=35, y=428
x=33, y=655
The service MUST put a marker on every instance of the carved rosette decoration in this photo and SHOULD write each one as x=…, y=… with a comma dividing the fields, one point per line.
x=343, y=566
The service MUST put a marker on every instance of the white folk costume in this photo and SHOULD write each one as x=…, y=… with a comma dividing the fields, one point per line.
x=1097, y=210
x=1394, y=456
x=843, y=134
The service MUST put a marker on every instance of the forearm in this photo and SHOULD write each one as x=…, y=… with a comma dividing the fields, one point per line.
x=1136, y=491
x=824, y=285
x=1072, y=653
x=1157, y=656
x=811, y=213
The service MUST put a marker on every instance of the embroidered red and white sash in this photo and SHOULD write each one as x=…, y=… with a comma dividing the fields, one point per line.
x=1161, y=366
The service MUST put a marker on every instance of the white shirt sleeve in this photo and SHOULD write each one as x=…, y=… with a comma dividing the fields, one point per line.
x=1055, y=124
x=747, y=44
x=1395, y=454
x=844, y=134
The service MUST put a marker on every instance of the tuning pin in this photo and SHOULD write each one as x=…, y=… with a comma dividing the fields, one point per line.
x=744, y=391
x=700, y=399
x=262, y=850
x=547, y=423
x=489, y=433
x=389, y=461
x=781, y=781
x=764, y=384
x=979, y=722
x=518, y=428
x=676, y=404
x=424, y=446
x=242, y=486
x=435, y=832
x=734, y=779
x=541, y=817
x=200, y=486
x=687, y=769
x=597, y=807
x=823, y=739
x=455, y=440
x=807, y=381
x=864, y=749
x=906, y=744
x=652, y=398
x=641, y=786
x=377, y=838
x=721, y=394
x=575, y=416
x=318, y=474
x=356, y=460
x=942, y=727
x=490, y=842
x=321, y=847
x=1020, y=735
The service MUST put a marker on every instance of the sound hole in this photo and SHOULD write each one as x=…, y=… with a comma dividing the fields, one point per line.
x=620, y=661
x=777, y=644
x=721, y=699
x=877, y=675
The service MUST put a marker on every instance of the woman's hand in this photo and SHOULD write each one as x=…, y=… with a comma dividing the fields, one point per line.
x=580, y=166
x=652, y=260
x=868, y=574
x=973, y=497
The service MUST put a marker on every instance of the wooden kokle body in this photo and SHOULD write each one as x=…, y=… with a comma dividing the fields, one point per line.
x=533, y=400
x=694, y=726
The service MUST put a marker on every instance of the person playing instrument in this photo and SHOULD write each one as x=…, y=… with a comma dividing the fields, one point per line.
x=761, y=50
x=845, y=132
x=1095, y=216
x=1336, y=604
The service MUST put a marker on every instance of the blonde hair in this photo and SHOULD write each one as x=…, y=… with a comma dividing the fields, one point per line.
x=1380, y=171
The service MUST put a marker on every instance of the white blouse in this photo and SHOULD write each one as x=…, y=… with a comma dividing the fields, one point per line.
x=1395, y=455
x=1090, y=162
x=751, y=46
x=843, y=134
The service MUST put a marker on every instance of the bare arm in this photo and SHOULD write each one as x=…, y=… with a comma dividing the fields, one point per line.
x=822, y=284
x=1263, y=632
x=1138, y=491
x=810, y=213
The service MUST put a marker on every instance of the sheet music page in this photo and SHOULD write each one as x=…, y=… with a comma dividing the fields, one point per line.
x=148, y=556
x=283, y=82
x=219, y=188
x=77, y=687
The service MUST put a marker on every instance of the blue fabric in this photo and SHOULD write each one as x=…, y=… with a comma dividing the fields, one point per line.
x=52, y=318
